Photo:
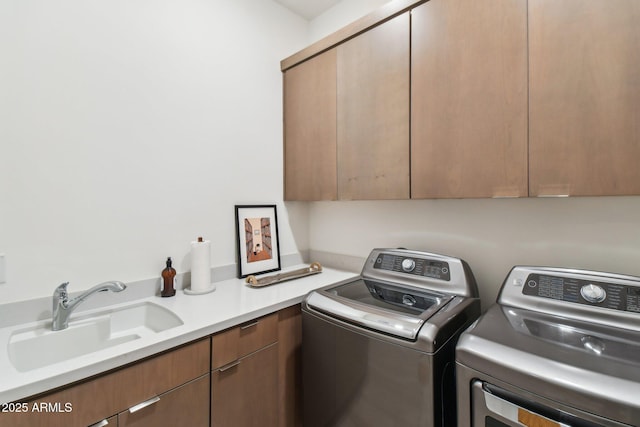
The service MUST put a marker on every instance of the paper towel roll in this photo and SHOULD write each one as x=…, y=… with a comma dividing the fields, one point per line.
x=200, y=266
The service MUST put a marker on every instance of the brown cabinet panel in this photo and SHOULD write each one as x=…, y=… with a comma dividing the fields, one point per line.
x=373, y=112
x=584, y=72
x=106, y=395
x=246, y=394
x=469, y=99
x=290, y=366
x=310, y=129
x=232, y=344
x=187, y=405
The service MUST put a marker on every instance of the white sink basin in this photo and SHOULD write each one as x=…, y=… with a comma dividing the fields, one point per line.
x=38, y=346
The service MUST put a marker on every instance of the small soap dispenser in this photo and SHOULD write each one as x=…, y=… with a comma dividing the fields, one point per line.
x=168, y=280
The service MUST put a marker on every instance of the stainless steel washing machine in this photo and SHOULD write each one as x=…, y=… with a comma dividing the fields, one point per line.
x=560, y=348
x=379, y=350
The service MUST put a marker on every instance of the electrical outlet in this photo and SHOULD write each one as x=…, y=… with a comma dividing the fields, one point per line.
x=3, y=269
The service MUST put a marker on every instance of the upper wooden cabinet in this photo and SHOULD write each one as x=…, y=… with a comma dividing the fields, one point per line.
x=373, y=112
x=500, y=98
x=346, y=127
x=469, y=99
x=310, y=129
x=584, y=76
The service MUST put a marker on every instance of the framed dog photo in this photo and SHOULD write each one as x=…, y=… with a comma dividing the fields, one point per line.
x=258, y=244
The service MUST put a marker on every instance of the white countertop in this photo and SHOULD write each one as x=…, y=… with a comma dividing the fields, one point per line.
x=233, y=302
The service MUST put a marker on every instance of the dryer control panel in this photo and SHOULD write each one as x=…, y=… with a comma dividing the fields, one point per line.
x=590, y=292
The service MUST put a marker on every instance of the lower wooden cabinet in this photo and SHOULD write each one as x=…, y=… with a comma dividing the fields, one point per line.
x=261, y=384
x=245, y=392
x=99, y=398
x=244, y=377
x=253, y=379
x=187, y=405
x=290, y=366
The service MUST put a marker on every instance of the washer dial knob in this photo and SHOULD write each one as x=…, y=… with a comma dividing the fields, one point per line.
x=593, y=293
x=408, y=265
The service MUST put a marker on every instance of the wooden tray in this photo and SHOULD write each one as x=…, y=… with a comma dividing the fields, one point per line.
x=254, y=282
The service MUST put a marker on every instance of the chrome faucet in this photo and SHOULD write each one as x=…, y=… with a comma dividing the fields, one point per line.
x=63, y=306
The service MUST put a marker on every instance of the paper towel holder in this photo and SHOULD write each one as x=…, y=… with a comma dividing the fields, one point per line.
x=200, y=250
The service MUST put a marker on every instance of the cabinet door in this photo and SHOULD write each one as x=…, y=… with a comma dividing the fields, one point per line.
x=78, y=405
x=373, y=112
x=585, y=97
x=469, y=99
x=310, y=129
x=245, y=393
x=187, y=405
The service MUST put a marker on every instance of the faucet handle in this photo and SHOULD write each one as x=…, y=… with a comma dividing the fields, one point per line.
x=61, y=291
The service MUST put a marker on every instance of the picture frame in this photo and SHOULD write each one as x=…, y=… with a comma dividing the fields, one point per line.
x=257, y=240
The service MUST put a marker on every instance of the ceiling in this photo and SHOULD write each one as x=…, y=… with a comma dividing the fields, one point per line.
x=308, y=9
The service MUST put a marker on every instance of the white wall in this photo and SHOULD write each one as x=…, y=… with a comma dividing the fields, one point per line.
x=492, y=235
x=124, y=127
x=124, y=131
x=340, y=15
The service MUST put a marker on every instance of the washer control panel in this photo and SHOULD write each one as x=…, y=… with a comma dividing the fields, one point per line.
x=579, y=291
x=413, y=265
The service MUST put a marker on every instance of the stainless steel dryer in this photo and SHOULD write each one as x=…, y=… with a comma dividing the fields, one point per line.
x=560, y=348
x=379, y=351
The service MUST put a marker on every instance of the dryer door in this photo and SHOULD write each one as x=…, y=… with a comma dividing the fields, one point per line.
x=494, y=406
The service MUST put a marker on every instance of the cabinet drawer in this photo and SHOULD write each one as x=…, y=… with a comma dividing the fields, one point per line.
x=234, y=343
x=245, y=394
x=103, y=396
x=187, y=405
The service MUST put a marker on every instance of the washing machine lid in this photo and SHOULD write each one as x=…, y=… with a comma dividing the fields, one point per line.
x=398, y=292
x=399, y=311
x=588, y=366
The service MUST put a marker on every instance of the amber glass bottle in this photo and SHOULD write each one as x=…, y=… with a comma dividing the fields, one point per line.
x=168, y=280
